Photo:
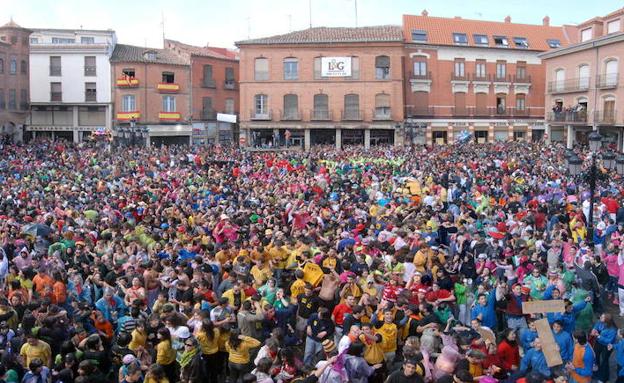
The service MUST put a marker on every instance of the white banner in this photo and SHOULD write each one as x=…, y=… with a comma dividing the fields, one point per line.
x=231, y=118
x=335, y=66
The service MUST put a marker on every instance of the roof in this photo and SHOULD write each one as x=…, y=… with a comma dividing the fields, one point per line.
x=319, y=35
x=440, y=31
x=215, y=52
x=131, y=53
x=53, y=30
x=610, y=39
x=12, y=24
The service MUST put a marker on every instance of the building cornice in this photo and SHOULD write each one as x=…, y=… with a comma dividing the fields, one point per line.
x=599, y=42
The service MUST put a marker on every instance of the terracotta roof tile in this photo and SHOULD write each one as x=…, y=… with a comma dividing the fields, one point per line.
x=216, y=52
x=440, y=31
x=131, y=53
x=319, y=35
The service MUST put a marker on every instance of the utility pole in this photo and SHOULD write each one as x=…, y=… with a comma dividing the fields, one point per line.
x=162, y=23
x=289, y=22
x=248, y=27
x=356, y=17
x=310, y=12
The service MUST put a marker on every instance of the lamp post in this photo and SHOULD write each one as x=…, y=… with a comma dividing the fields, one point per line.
x=594, y=174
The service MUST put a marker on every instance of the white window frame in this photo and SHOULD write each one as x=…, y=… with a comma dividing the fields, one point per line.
x=128, y=103
x=613, y=26
x=291, y=63
x=420, y=68
x=586, y=34
x=169, y=104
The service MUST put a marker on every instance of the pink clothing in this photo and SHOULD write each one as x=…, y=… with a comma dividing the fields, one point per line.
x=611, y=260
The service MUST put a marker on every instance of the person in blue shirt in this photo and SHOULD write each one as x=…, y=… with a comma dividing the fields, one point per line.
x=582, y=360
x=619, y=356
x=528, y=335
x=534, y=360
x=568, y=317
x=485, y=310
x=605, y=332
x=564, y=341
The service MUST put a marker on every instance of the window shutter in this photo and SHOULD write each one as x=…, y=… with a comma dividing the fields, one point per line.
x=207, y=72
x=481, y=101
x=290, y=102
x=382, y=62
x=207, y=103
x=317, y=68
x=352, y=102
x=382, y=100
x=321, y=102
x=355, y=67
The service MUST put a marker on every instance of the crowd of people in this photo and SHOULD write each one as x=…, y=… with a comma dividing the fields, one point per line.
x=213, y=264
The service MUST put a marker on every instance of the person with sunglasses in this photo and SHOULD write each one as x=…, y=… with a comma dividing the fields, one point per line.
x=192, y=367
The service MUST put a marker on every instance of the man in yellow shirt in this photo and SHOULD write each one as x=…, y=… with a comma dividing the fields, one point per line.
x=389, y=335
x=298, y=286
x=35, y=348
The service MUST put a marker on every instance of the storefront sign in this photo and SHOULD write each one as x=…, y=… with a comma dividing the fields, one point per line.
x=335, y=66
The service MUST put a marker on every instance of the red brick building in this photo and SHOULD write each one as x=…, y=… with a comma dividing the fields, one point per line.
x=483, y=77
x=14, y=80
x=152, y=93
x=214, y=90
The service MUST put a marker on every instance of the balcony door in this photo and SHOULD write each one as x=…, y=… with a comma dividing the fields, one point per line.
x=609, y=109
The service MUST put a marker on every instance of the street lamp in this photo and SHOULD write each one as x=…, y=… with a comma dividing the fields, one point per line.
x=619, y=163
x=595, y=141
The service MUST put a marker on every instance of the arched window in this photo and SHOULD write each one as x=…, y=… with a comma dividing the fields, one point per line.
x=321, y=107
x=382, y=106
x=611, y=73
x=559, y=79
x=261, y=106
x=291, y=107
x=291, y=68
x=583, y=76
x=352, y=107
x=382, y=67
x=261, y=69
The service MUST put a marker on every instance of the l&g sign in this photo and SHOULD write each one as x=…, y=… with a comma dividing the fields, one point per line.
x=336, y=66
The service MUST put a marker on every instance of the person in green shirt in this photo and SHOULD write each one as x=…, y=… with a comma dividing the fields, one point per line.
x=461, y=299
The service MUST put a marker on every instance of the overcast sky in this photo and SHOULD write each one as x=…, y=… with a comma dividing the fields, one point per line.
x=222, y=22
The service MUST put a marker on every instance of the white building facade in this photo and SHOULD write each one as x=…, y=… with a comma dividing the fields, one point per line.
x=70, y=83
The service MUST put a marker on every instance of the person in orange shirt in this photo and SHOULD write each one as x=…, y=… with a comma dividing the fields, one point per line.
x=59, y=290
x=103, y=327
x=41, y=281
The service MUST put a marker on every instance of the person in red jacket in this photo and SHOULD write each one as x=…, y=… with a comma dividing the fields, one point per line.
x=508, y=351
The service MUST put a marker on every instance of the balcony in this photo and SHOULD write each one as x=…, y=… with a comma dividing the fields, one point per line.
x=229, y=84
x=482, y=112
x=567, y=117
x=208, y=83
x=208, y=114
x=320, y=115
x=481, y=77
x=501, y=111
x=460, y=111
x=166, y=87
x=521, y=112
x=352, y=115
x=526, y=79
x=420, y=82
x=569, y=86
x=459, y=77
x=127, y=82
x=56, y=96
x=419, y=111
x=607, y=81
x=382, y=114
x=169, y=116
x=90, y=97
x=290, y=115
x=605, y=117
x=55, y=70
x=425, y=76
x=127, y=116
x=501, y=78
x=90, y=70
x=260, y=115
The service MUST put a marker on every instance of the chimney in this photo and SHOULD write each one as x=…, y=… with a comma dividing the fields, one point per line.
x=508, y=19
x=546, y=21
x=424, y=13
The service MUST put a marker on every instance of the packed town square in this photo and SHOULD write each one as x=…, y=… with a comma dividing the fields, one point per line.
x=411, y=264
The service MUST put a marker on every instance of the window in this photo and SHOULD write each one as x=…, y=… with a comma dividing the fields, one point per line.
x=460, y=38
x=521, y=42
x=128, y=103
x=583, y=77
x=291, y=107
x=207, y=110
x=382, y=67
x=481, y=39
x=521, y=70
x=87, y=40
x=460, y=103
x=13, y=66
x=12, y=99
x=480, y=69
x=90, y=92
x=481, y=104
x=23, y=67
x=55, y=65
x=168, y=77
x=208, y=81
x=261, y=105
x=230, y=82
x=168, y=104
x=520, y=102
x=24, y=99
x=419, y=35
x=291, y=70
x=553, y=43
x=459, y=68
x=128, y=72
x=89, y=66
x=382, y=106
x=317, y=68
x=59, y=40
x=1, y=66
x=501, y=41
x=13, y=39
x=608, y=109
x=355, y=68
x=559, y=79
x=34, y=40
x=56, y=91
x=229, y=105
x=586, y=34
x=611, y=73
x=321, y=107
x=421, y=103
x=420, y=69
x=352, y=107
x=613, y=26
x=2, y=100
x=501, y=104
x=501, y=70
x=261, y=69
x=150, y=55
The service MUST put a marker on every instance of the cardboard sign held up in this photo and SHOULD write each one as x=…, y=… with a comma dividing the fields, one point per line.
x=487, y=334
x=549, y=346
x=541, y=307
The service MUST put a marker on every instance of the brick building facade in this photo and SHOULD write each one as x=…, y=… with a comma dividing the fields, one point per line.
x=338, y=86
x=151, y=93
x=214, y=90
x=14, y=81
